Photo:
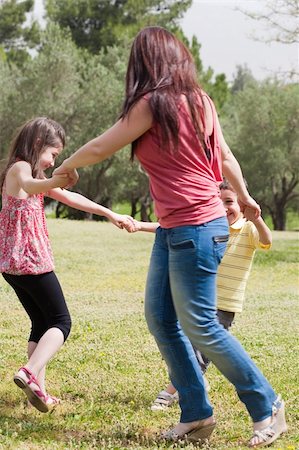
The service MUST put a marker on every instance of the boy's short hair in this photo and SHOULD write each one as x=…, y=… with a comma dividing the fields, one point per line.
x=226, y=185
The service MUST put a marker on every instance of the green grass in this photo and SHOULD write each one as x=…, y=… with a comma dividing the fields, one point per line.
x=110, y=370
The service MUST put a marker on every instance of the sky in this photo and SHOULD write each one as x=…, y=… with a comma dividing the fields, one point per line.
x=226, y=38
x=225, y=35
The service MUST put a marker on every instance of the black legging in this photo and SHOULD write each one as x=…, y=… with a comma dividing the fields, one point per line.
x=43, y=300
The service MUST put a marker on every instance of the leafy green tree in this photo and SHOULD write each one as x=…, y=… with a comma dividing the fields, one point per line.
x=15, y=36
x=84, y=91
x=97, y=24
x=132, y=186
x=242, y=78
x=262, y=127
x=10, y=96
x=73, y=87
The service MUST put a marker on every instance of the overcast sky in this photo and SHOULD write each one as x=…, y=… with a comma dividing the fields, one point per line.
x=224, y=34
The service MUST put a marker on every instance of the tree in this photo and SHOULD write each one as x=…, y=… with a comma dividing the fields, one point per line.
x=15, y=36
x=242, y=79
x=133, y=186
x=71, y=86
x=97, y=24
x=84, y=91
x=280, y=17
x=262, y=126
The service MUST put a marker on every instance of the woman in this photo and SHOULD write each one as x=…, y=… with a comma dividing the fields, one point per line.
x=176, y=136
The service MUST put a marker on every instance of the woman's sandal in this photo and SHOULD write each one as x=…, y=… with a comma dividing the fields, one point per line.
x=25, y=380
x=278, y=425
x=199, y=434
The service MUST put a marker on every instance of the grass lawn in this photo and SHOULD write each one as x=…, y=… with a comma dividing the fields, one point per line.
x=110, y=370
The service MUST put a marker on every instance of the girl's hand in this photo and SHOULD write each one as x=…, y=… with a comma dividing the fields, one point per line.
x=72, y=174
x=59, y=181
x=133, y=225
x=249, y=203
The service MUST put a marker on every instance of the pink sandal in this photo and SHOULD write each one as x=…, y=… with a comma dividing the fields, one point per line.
x=25, y=380
x=52, y=401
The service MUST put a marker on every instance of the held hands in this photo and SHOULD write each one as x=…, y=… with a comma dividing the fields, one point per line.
x=249, y=214
x=61, y=181
x=124, y=221
x=72, y=174
x=249, y=206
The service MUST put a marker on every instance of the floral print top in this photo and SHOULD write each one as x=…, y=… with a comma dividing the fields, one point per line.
x=24, y=242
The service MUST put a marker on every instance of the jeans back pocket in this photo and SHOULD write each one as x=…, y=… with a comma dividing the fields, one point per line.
x=182, y=245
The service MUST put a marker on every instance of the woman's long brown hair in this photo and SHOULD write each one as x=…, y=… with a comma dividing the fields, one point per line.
x=160, y=65
x=31, y=139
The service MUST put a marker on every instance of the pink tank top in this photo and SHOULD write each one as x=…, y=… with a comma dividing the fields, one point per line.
x=24, y=243
x=184, y=184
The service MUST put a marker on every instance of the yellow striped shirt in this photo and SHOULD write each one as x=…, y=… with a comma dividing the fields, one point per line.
x=235, y=266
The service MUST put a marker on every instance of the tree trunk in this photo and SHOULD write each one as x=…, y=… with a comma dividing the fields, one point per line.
x=143, y=213
x=58, y=210
x=146, y=208
x=279, y=219
x=133, y=207
x=279, y=213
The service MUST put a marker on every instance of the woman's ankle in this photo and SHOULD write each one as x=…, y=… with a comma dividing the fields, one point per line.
x=257, y=426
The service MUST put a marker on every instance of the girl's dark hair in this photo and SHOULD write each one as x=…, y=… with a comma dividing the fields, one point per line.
x=31, y=140
x=161, y=65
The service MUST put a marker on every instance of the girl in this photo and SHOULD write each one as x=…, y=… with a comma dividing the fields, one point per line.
x=177, y=138
x=26, y=260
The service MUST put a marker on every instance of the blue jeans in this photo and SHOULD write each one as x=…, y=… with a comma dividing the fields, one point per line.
x=180, y=309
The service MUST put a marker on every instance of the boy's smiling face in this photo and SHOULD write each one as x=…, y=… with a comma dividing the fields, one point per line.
x=230, y=202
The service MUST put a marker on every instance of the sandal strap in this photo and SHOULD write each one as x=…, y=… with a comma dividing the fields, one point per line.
x=265, y=434
x=29, y=374
x=170, y=435
x=32, y=379
x=161, y=401
x=163, y=395
x=276, y=405
x=54, y=400
x=164, y=399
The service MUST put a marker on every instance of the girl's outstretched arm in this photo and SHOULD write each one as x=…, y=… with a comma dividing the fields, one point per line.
x=20, y=177
x=122, y=133
x=78, y=201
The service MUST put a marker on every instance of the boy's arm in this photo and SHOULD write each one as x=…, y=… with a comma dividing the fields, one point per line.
x=146, y=226
x=78, y=201
x=265, y=235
